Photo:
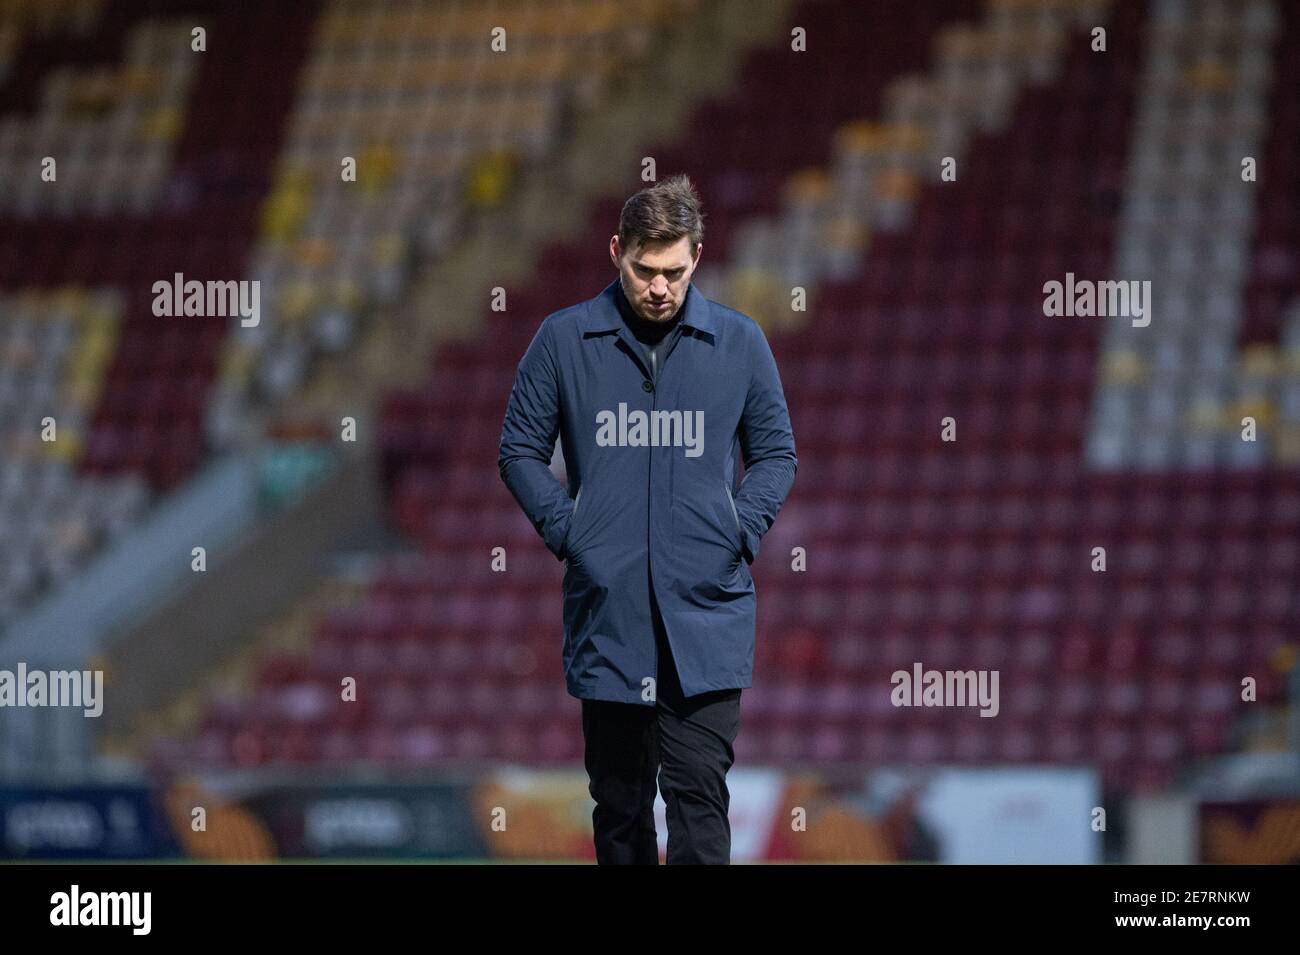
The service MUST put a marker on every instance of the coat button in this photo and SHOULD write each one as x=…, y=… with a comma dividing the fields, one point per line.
x=647, y=386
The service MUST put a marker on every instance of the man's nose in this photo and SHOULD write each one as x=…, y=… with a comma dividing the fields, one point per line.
x=659, y=287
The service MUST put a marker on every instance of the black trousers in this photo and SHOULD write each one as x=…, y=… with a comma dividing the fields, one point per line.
x=688, y=743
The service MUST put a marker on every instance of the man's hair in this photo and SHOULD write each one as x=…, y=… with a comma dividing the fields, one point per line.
x=663, y=212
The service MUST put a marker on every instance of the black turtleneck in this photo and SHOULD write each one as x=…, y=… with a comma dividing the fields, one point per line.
x=653, y=336
x=648, y=333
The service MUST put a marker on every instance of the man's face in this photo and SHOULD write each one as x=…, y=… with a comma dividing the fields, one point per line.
x=656, y=275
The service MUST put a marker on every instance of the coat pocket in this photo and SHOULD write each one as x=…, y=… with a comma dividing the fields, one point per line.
x=735, y=516
x=573, y=523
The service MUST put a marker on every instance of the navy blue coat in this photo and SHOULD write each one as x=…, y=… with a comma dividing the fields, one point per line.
x=652, y=497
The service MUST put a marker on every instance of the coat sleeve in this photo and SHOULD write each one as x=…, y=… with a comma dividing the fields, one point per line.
x=767, y=443
x=528, y=439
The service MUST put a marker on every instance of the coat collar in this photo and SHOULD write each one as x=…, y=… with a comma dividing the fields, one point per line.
x=602, y=311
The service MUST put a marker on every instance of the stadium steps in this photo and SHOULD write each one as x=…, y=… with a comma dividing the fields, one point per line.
x=696, y=58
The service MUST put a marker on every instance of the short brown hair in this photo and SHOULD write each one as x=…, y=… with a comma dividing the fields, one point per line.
x=663, y=212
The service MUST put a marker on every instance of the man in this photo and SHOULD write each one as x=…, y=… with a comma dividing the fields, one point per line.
x=656, y=394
